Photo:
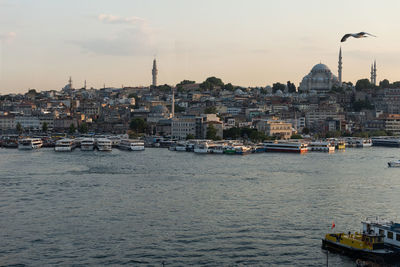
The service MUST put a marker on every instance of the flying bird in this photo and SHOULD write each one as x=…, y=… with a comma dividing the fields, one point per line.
x=356, y=35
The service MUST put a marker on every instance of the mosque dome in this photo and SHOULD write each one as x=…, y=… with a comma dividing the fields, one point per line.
x=320, y=68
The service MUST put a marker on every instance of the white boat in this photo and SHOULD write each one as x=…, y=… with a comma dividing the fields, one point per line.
x=87, y=144
x=321, y=147
x=395, y=163
x=104, y=144
x=364, y=142
x=216, y=149
x=201, y=148
x=65, y=145
x=115, y=140
x=30, y=143
x=131, y=144
x=180, y=146
x=291, y=147
x=389, y=229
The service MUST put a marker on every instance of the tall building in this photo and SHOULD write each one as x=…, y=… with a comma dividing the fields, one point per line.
x=340, y=67
x=373, y=73
x=154, y=72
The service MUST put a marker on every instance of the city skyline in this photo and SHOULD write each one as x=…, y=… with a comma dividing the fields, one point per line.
x=254, y=43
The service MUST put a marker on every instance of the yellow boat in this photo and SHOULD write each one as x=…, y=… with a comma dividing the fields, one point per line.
x=360, y=245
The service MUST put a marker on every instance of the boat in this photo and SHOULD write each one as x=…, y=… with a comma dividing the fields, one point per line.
x=292, y=147
x=131, y=144
x=30, y=143
x=104, y=144
x=260, y=148
x=364, y=142
x=216, y=149
x=386, y=141
x=340, y=145
x=230, y=150
x=115, y=140
x=65, y=145
x=9, y=141
x=87, y=144
x=180, y=146
x=201, y=148
x=388, y=229
x=321, y=147
x=395, y=163
x=360, y=245
x=242, y=150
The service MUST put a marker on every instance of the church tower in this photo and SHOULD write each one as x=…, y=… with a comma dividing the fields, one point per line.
x=154, y=72
x=340, y=67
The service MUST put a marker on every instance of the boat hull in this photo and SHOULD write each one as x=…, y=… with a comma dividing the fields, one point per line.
x=389, y=257
x=394, y=164
x=287, y=150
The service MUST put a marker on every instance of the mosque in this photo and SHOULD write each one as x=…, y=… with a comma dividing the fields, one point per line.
x=321, y=79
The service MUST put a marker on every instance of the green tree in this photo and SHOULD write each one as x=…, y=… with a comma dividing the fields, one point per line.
x=291, y=87
x=138, y=125
x=257, y=136
x=83, y=128
x=211, y=82
x=180, y=85
x=72, y=129
x=296, y=136
x=278, y=86
x=363, y=84
x=229, y=87
x=19, y=128
x=211, y=132
x=210, y=110
x=45, y=127
x=189, y=136
x=232, y=133
x=306, y=130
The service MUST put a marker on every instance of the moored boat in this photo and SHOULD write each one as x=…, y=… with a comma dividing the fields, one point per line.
x=30, y=143
x=388, y=229
x=131, y=144
x=201, y=148
x=386, y=141
x=321, y=147
x=87, y=144
x=395, y=163
x=242, y=150
x=293, y=147
x=104, y=144
x=65, y=145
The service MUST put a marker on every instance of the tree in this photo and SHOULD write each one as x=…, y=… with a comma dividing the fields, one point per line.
x=232, y=133
x=278, y=86
x=291, y=87
x=363, y=84
x=296, y=136
x=179, y=108
x=83, y=128
x=257, y=136
x=44, y=127
x=384, y=84
x=306, y=130
x=138, y=125
x=72, y=129
x=210, y=110
x=189, y=136
x=211, y=82
x=180, y=85
x=229, y=87
x=211, y=132
x=19, y=128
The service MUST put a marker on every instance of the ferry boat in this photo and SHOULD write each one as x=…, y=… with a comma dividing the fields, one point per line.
x=216, y=149
x=292, y=147
x=131, y=144
x=230, y=150
x=87, y=144
x=9, y=141
x=65, y=145
x=242, y=150
x=340, y=145
x=180, y=146
x=364, y=142
x=321, y=147
x=388, y=229
x=260, y=148
x=386, y=141
x=201, y=148
x=395, y=163
x=104, y=144
x=360, y=245
x=30, y=143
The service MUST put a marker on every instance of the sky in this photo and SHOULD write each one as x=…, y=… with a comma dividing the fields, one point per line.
x=245, y=42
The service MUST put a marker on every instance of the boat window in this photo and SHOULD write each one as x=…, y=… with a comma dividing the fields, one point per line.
x=397, y=236
x=390, y=235
x=381, y=232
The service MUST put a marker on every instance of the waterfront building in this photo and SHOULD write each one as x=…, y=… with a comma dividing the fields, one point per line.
x=275, y=128
x=28, y=122
x=7, y=122
x=392, y=123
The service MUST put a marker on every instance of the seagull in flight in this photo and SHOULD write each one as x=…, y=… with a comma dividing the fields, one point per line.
x=356, y=35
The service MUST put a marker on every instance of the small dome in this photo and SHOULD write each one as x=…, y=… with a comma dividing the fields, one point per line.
x=320, y=67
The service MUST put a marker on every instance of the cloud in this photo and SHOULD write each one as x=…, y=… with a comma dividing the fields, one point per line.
x=134, y=39
x=8, y=37
x=120, y=20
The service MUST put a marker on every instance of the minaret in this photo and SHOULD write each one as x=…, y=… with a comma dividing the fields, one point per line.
x=154, y=72
x=340, y=67
x=84, y=86
x=70, y=82
x=374, y=72
x=173, y=103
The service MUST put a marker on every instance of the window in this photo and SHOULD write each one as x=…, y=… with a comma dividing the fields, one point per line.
x=381, y=232
x=397, y=237
x=390, y=235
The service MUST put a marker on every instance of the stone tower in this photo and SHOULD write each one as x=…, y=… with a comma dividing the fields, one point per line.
x=154, y=72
